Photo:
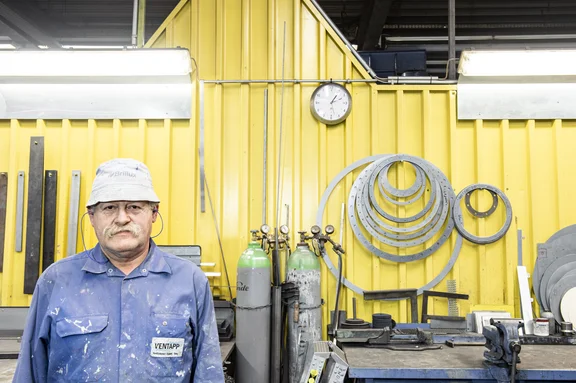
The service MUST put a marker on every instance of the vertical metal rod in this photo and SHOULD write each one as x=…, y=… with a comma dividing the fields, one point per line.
x=201, y=148
x=279, y=174
x=19, y=212
x=354, y=307
x=519, y=239
x=73, y=213
x=141, y=39
x=135, y=24
x=286, y=250
x=452, y=39
x=265, y=172
x=3, y=203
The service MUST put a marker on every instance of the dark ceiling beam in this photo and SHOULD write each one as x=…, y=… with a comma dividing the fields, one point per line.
x=23, y=27
x=372, y=20
x=494, y=19
x=16, y=40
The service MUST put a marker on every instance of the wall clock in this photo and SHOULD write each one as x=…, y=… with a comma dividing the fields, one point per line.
x=331, y=103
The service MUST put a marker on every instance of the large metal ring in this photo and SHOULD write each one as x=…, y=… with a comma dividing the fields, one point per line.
x=362, y=203
x=445, y=198
x=459, y=220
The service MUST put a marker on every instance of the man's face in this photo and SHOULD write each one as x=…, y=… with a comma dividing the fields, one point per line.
x=123, y=228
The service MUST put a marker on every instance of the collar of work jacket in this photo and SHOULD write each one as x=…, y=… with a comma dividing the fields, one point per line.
x=154, y=262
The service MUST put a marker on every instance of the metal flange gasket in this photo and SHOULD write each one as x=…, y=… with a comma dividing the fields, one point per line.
x=459, y=219
x=481, y=214
x=362, y=203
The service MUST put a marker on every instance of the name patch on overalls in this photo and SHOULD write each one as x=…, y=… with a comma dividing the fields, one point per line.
x=167, y=347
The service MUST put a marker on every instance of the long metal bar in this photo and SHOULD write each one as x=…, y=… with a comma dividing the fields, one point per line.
x=519, y=240
x=3, y=203
x=343, y=38
x=19, y=212
x=34, y=214
x=73, y=213
x=279, y=173
x=141, y=38
x=452, y=39
x=265, y=171
x=50, y=190
x=135, y=24
x=390, y=80
x=201, y=148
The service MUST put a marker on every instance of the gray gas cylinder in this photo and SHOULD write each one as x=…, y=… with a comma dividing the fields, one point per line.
x=305, y=318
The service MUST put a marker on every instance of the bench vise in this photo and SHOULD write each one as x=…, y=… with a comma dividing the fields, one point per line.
x=503, y=344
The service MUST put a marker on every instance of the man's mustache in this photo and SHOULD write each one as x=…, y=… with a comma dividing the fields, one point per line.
x=110, y=231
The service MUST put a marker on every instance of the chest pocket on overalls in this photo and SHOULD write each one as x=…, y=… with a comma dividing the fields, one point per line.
x=85, y=342
x=169, y=345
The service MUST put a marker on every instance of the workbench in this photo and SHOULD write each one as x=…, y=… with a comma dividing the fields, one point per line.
x=458, y=364
x=8, y=366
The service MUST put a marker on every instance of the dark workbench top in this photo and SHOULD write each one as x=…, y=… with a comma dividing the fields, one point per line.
x=464, y=362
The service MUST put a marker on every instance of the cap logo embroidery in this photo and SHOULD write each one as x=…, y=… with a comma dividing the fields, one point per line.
x=122, y=174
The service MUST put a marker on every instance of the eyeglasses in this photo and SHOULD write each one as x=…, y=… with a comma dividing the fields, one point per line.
x=111, y=209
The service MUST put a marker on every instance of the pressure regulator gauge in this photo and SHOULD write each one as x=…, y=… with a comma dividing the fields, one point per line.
x=331, y=103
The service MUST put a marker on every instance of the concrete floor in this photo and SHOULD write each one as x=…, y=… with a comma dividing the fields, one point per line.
x=7, y=368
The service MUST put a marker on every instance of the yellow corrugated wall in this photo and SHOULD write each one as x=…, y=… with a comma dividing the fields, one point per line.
x=531, y=161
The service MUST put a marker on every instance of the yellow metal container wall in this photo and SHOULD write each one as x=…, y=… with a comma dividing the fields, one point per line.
x=531, y=161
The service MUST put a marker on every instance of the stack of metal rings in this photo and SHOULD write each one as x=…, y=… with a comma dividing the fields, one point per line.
x=440, y=214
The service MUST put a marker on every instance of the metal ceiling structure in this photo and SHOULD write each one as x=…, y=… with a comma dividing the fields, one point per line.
x=29, y=23
x=480, y=24
x=370, y=24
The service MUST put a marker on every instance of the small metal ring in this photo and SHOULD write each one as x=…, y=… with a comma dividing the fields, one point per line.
x=459, y=219
x=481, y=214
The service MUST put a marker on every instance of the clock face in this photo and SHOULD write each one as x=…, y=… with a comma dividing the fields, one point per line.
x=331, y=103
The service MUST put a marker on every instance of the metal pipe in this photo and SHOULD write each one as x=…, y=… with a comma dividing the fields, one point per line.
x=384, y=80
x=481, y=26
x=201, y=147
x=288, y=81
x=265, y=171
x=279, y=173
x=481, y=38
x=135, y=24
x=451, y=39
x=343, y=38
x=141, y=38
x=276, y=335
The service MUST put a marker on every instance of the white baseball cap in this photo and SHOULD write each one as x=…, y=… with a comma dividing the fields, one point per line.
x=122, y=179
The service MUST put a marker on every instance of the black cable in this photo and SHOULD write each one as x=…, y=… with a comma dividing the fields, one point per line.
x=338, y=287
x=218, y=234
x=161, y=227
x=82, y=230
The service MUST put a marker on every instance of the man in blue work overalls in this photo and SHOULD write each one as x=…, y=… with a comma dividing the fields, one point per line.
x=123, y=311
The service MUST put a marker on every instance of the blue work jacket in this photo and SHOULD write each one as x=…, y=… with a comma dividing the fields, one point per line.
x=90, y=322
